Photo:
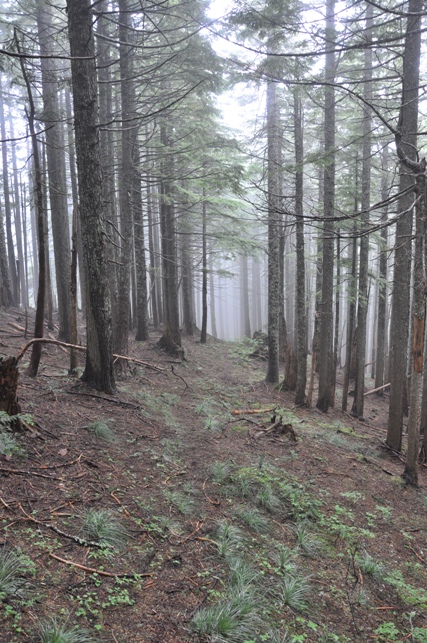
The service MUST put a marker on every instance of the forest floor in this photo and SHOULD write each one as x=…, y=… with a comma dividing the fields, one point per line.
x=162, y=515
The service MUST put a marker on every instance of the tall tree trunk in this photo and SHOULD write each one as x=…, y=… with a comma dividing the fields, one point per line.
x=408, y=124
x=212, y=306
x=141, y=267
x=410, y=473
x=326, y=309
x=40, y=217
x=7, y=206
x=382, y=279
x=75, y=197
x=155, y=295
x=171, y=338
x=55, y=167
x=362, y=306
x=274, y=217
x=7, y=294
x=121, y=328
x=244, y=296
x=99, y=358
x=204, y=273
x=18, y=222
x=300, y=304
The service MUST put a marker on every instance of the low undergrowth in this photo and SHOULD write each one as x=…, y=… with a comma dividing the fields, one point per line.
x=186, y=523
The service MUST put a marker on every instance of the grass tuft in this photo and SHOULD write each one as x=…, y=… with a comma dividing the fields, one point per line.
x=267, y=499
x=253, y=519
x=181, y=501
x=11, y=571
x=370, y=566
x=234, y=619
x=228, y=538
x=306, y=541
x=103, y=527
x=53, y=631
x=221, y=472
x=285, y=560
x=295, y=592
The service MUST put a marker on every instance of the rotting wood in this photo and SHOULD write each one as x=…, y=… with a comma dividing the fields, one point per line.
x=9, y=375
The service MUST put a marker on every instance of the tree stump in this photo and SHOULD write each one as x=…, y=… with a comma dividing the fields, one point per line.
x=9, y=374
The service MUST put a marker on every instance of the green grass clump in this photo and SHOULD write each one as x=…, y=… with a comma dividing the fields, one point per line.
x=295, y=592
x=221, y=472
x=285, y=559
x=306, y=541
x=182, y=502
x=370, y=566
x=53, y=631
x=228, y=538
x=253, y=519
x=11, y=570
x=234, y=619
x=104, y=528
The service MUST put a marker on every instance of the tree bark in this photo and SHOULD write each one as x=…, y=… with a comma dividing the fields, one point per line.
x=326, y=308
x=55, y=167
x=99, y=359
x=408, y=124
x=362, y=306
x=274, y=217
x=7, y=207
x=300, y=304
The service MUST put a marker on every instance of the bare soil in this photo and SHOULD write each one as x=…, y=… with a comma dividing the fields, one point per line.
x=173, y=427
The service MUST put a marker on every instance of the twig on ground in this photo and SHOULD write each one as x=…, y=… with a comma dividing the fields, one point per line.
x=118, y=502
x=213, y=502
x=19, y=472
x=199, y=525
x=92, y=570
x=181, y=378
x=76, y=539
x=106, y=399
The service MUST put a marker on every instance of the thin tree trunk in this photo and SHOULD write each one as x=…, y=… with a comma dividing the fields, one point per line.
x=40, y=216
x=7, y=206
x=382, y=285
x=204, y=274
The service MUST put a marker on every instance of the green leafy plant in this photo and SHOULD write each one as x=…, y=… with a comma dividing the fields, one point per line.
x=53, y=631
x=103, y=527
